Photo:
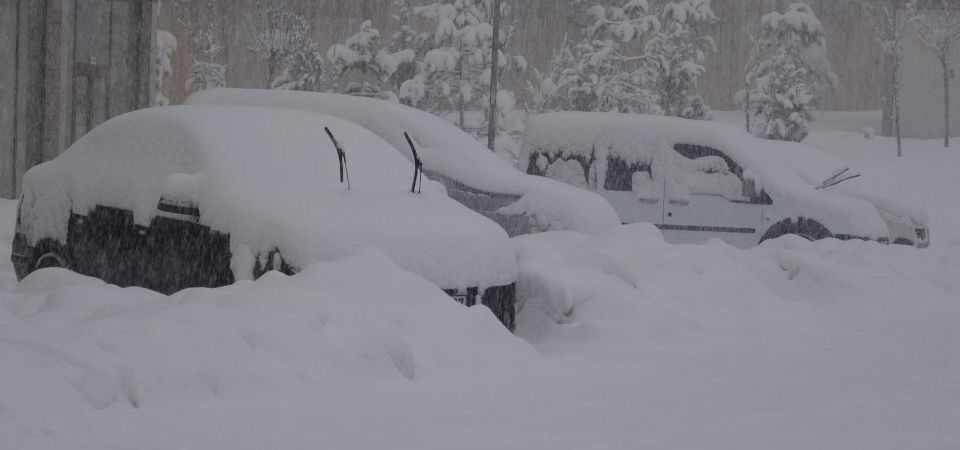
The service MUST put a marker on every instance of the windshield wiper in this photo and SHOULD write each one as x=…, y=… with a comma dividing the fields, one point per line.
x=342, y=156
x=835, y=175
x=837, y=178
x=417, y=166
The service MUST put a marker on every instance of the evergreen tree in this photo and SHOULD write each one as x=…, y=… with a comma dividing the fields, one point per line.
x=282, y=38
x=678, y=53
x=790, y=76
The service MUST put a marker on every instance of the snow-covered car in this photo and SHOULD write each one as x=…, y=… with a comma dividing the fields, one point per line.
x=187, y=196
x=470, y=173
x=697, y=180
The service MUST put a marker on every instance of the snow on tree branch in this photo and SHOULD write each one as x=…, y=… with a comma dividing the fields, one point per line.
x=166, y=45
x=282, y=38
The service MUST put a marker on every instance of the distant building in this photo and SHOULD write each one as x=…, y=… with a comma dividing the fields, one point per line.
x=65, y=67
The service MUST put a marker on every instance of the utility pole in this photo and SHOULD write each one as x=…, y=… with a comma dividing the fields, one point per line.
x=494, y=77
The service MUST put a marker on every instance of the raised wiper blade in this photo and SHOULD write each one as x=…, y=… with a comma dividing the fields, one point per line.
x=417, y=166
x=838, y=181
x=341, y=156
x=834, y=176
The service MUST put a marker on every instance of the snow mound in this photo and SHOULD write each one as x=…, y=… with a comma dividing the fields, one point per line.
x=582, y=292
x=86, y=350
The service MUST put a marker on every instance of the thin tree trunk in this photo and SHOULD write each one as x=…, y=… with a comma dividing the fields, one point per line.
x=896, y=106
x=494, y=77
x=746, y=106
x=896, y=125
x=946, y=103
x=463, y=124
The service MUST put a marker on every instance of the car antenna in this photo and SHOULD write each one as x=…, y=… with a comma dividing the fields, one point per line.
x=342, y=156
x=417, y=166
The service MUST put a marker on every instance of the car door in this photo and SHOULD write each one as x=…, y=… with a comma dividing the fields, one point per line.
x=706, y=199
x=633, y=192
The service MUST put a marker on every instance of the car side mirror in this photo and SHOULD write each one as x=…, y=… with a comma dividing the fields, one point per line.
x=178, y=198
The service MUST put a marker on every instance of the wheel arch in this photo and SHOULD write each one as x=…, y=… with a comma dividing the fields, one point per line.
x=801, y=226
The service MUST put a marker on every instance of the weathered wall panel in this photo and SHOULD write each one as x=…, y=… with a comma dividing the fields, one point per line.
x=30, y=98
x=8, y=88
x=21, y=90
x=53, y=91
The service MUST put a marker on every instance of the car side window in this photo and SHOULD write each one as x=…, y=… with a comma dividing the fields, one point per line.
x=620, y=174
x=693, y=151
x=707, y=171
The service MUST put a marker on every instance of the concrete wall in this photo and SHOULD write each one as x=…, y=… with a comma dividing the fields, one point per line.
x=541, y=27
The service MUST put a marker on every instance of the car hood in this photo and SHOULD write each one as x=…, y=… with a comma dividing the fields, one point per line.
x=427, y=234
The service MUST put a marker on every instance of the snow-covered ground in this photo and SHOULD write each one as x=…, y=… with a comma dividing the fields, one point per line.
x=624, y=342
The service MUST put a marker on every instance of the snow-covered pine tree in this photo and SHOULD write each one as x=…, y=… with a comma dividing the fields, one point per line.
x=602, y=76
x=547, y=88
x=361, y=56
x=892, y=25
x=282, y=38
x=406, y=45
x=677, y=53
x=303, y=70
x=205, y=47
x=166, y=45
x=780, y=100
x=787, y=80
x=452, y=69
x=455, y=68
x=940, y=31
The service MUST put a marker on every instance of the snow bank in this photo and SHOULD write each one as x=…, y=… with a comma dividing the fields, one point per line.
x=790, y=345
x=79, y=355
x=270, y=178
x=444, y=149
x=728, y=297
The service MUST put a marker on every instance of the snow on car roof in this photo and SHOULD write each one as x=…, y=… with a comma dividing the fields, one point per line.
x=444, y=149
x=270, y=178
x=634, y=136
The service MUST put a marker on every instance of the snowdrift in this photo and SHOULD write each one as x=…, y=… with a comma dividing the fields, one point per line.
x=78, y=354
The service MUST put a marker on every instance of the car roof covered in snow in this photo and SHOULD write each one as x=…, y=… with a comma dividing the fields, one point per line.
x=635, y=136
x=444, y=149
x=270, y=177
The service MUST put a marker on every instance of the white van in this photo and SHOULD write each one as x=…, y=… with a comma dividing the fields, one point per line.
x=697, y=180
